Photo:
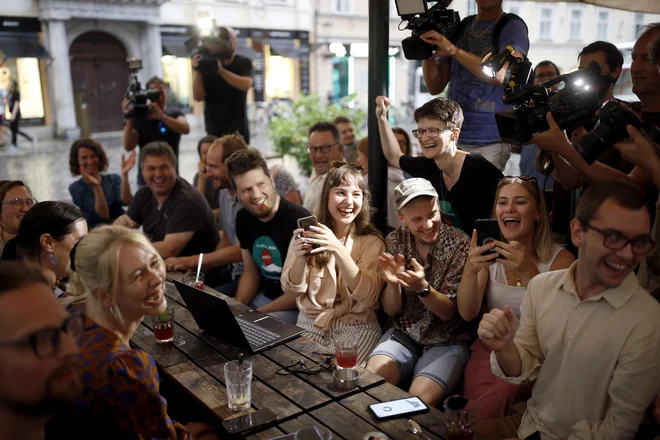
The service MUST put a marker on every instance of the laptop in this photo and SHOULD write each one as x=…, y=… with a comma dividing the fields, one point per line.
x=249, y=330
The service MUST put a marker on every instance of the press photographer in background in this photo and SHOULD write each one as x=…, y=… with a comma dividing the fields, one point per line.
x=147, y=119
x=221, y=78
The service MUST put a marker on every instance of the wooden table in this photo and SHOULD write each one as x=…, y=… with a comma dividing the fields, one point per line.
x=195, y=361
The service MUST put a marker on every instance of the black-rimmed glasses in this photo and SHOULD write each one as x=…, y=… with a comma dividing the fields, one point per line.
x=18, y=203
x=616, y=241
x=430, y=132
x=47, y=341
x=300, y=367
x=325, y=149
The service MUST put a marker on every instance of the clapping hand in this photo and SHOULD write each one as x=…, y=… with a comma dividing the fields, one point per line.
x=391, y=267
x=128, y=163
x=324, y=237
x=497, y=328
x=93, y=181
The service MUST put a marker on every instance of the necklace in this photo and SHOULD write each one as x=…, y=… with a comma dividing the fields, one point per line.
x=516, y=277
x=485, y=30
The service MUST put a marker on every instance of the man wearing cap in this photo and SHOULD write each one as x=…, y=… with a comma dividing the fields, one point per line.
x=429, y=344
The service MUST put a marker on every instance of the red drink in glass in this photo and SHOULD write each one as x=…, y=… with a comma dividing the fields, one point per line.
x=346, y=358
x=198, y=285
x=164, y=334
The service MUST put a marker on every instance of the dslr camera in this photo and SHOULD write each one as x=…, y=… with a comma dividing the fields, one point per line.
x=139, y=98
x=572, y=106
x=212, y=45
x=419, y=19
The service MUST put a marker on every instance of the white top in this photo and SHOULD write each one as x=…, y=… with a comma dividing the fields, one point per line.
x=596, y=362
x=499, y=294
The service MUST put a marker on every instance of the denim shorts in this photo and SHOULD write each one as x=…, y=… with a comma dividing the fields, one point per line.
x=444, y=364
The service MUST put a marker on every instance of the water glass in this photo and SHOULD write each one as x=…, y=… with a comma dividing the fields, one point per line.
x=460, y=418
x=346, y=344
x=190, y=278
x=238, y=380
x=313, y=433
x=163, y=326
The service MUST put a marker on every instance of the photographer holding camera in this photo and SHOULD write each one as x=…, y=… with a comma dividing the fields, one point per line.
x=479, y=95
x=222, y=78
x=159, y=124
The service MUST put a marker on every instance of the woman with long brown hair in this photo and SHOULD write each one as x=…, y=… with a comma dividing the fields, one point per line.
x=331, y=268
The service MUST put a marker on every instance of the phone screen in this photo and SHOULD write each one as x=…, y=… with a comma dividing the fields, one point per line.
x=488, y=230
x=399, y=407
x=250, y=421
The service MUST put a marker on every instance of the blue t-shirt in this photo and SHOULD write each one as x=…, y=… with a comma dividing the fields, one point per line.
x=82, y=194
x=479, y=100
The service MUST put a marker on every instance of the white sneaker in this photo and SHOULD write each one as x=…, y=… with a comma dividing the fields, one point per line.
x=13, y=148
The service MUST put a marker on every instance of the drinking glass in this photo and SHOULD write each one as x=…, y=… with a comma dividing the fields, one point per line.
x=163, y=325
x=190, y=278
x=346, y=342
x=460, y=414
x=313, y=433
x=238, y=379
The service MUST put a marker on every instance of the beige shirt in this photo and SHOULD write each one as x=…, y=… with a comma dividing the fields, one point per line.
x=596, y=362
x=324, y=296
x=313, y=194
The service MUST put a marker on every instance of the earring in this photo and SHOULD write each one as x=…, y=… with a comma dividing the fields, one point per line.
x=53, y=260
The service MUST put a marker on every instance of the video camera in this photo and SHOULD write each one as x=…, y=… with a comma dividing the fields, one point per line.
x=138, y=98
x=420, y=19
x=213, y=44
x=572, y=106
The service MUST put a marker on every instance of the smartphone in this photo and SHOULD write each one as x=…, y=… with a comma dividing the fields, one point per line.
x=250, y=421
x=488, y=230
x=306, y=222
x=397, y=408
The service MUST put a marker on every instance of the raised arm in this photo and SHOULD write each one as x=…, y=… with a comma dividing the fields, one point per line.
x=475, y=278
x=390, y=145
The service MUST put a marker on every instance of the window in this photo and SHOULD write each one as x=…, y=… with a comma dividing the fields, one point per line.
x=603, y=23
x=279, y=2
x=638, y=25
x=471, y=7
x=576, y=25
x=545, y=32
x=342, y=6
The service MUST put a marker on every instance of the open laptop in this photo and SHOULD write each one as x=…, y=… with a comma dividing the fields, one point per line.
x=250, y=330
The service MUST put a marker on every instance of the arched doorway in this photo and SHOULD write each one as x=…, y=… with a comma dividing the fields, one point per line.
x=100, y=74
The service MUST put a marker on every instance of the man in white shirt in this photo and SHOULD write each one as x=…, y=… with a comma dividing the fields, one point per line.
x=589, y=335
x=324, y=147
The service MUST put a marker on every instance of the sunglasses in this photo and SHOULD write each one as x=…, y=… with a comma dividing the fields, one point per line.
x=353, y=165
x=515, y=179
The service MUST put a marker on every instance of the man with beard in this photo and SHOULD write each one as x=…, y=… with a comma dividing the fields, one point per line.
x=348, y=139
x=263, y=228
x=174, y=215
x=589, y=335
x=39, y=371
x=430, y=342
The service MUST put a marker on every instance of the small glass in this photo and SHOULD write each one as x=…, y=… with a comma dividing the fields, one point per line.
x=460, y=418
x=190, y=278
x=346, y=344
x=313, y=433
x=163, y=325
x=238, y=380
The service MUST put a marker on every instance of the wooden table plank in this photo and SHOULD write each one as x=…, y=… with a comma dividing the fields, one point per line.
x=345, y=423
x=304, y=421
x=166, y=355
x=266, y=435
x=432, y=421
x=396, y=428
x=189, y=344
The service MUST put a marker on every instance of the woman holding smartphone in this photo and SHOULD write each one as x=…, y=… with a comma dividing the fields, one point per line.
x=526, y=249
x=331, y=268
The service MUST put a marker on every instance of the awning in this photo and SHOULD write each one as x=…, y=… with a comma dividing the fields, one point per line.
x=21, y=45
x=174, y=45
x=284, y=48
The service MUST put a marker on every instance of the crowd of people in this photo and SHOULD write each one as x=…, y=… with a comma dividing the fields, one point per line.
x=553, y=336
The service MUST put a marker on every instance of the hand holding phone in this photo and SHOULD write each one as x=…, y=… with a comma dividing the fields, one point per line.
x=488, y=230
x=304, y=224
x=398, y=408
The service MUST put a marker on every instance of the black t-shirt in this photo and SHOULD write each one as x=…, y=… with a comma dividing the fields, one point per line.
x=268, y=242
x=473, y=195
x=151, y=130
x=225, y=106
x=12, y=98
x=184, y=210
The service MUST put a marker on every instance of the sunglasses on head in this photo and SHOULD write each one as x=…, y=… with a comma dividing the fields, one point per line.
x=353, y=165
x=521, y=178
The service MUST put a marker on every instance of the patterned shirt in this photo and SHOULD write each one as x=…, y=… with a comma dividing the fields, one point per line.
x=443, y=268
x=123, y=384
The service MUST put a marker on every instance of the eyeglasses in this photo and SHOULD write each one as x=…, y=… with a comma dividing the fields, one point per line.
x=354, y=165
x=47, y=341
x=616, y=241
x=322, y=148
x=430, y=132
x=18, y=204
x=300, y=367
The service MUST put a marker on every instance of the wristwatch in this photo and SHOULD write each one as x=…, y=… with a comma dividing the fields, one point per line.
x=424, y=292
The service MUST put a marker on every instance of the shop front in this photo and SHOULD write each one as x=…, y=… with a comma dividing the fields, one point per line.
x=23, y=59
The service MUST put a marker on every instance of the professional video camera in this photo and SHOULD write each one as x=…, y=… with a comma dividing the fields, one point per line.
x=213, y=44
x=571, y=106
x=139, y=99
x=420, y=19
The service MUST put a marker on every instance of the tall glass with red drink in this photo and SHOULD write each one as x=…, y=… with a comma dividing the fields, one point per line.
x=190, y=278
x=163, y=326
x=346, y=342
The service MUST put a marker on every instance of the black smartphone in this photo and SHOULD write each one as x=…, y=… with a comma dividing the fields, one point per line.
x=250, y=421
x=306, y=222
x=488, y=230
x=398, y=408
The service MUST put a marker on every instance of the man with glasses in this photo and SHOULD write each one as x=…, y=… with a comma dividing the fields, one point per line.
x=465, y=183
x=589, y=335
x=324, y=146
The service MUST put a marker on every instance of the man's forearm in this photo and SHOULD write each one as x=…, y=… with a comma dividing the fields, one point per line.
x=440, y=304
x=509, y=360
x=281, y=304
x=473, y=63
x=391, y=299
x=100, y=203
x=222, y=257
x=242, y=83
x=436, y=76
x=126, y=195
x=248, y=286
x=389, y=144
x=199, y=94
x=569, y=177
x=130, y=137
x=177, y=125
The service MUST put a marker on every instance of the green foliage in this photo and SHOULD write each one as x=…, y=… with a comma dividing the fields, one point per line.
x=290, y=122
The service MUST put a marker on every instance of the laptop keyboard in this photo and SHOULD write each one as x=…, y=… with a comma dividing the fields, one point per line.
x=256, y=336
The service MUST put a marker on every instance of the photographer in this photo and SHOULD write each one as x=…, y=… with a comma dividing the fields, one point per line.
x=160, y=125
x=224, y=91
x=480, y=96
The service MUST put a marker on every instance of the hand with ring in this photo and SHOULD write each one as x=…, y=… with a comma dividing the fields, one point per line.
x=301, y=247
